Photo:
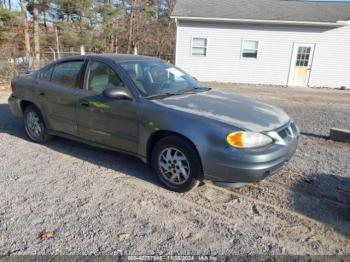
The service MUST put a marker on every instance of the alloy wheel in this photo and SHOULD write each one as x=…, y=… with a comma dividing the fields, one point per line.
x=174, y=166
x=33, y=125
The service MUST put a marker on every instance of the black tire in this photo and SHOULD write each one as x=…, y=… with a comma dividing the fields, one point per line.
x=192, y=158
x=42, y=136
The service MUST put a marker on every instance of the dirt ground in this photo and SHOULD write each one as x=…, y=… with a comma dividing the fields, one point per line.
x=89, y=201
x=4, y=86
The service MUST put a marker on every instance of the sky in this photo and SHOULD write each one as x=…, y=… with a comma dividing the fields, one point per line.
x=14, y=4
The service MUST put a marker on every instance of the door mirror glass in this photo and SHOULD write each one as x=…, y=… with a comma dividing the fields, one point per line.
x=116, y=93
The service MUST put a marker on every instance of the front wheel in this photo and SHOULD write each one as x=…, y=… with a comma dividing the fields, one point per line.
x=35, y=126
x=177, y=164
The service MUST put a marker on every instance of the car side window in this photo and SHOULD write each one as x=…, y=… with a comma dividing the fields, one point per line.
x=66, y=73
x=100, y=76
x=45, y=74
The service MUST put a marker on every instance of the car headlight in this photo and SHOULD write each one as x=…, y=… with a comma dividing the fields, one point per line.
x=242, y=139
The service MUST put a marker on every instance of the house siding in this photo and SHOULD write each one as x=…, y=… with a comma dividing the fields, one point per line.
x=223, y=63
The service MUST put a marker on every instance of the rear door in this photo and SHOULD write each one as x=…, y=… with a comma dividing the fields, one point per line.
x=104, y=120
x=59, y=96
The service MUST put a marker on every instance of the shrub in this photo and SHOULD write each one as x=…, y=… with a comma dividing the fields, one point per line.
x=7, y=72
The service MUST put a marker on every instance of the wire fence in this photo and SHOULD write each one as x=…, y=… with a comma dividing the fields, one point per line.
x=19, y=64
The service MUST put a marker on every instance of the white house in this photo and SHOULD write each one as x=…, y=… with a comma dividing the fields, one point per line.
x=278, y=42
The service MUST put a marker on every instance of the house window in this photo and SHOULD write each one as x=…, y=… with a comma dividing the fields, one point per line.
x=250, y=49
x=303, y=56
x=199, y=46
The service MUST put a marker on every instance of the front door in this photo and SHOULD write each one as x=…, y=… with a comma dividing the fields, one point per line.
x=301, y=64
x=104, y=120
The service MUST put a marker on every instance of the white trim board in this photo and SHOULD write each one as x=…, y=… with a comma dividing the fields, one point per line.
x=256, y=21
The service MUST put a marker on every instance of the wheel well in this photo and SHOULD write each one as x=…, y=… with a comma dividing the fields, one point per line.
x=155, y=137
x=24, y=105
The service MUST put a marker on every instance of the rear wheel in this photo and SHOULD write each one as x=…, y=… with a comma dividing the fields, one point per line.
x=177, y=164
x=34, y=125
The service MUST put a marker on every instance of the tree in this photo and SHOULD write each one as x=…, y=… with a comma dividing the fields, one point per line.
x=36, y=34
x=99, y=25
x=131, y=24
x=111, y=14
x=8, y=20
x=26, y=31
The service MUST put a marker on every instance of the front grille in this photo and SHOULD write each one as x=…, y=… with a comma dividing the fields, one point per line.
x=285, y=134
x=294, y=128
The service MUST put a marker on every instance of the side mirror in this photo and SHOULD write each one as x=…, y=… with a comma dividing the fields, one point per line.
x=116, y=93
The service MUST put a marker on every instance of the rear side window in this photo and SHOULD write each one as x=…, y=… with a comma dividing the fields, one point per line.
x=45, y=74
x=66, y=73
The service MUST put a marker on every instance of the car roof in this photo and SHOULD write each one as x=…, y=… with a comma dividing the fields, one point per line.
x=118, y=58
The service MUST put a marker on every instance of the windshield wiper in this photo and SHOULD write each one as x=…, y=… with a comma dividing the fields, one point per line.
x=193, y=90
x=161, y=95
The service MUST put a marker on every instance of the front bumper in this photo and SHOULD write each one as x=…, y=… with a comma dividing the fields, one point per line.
x=15, y=106
x=246, y=166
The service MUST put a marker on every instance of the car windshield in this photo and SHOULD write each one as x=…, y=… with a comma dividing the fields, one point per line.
x=156, y=78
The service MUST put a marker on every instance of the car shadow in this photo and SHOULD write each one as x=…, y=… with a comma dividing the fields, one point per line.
x=325, y=198
x=118, y=162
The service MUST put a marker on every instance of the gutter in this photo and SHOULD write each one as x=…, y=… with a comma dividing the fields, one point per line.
x=345, y=22
x=256, y=21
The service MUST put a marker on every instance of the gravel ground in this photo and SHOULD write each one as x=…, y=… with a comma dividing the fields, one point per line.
x=89, y=201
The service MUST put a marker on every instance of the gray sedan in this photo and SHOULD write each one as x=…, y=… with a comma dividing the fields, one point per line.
x=155, y=111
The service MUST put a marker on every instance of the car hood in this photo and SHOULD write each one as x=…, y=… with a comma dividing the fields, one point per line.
x=229, y=108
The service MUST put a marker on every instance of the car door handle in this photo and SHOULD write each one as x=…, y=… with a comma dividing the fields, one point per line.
x=41, y=94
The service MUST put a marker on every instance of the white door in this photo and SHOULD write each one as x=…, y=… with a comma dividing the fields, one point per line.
x=301, y=64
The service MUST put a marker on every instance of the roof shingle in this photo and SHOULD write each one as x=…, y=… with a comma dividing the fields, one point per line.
x=274, y=10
